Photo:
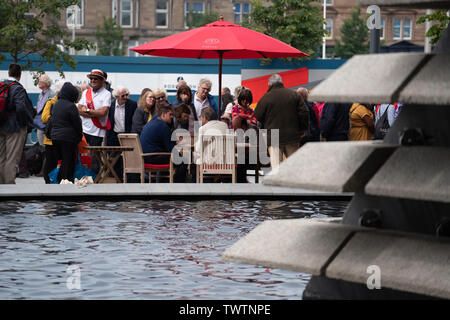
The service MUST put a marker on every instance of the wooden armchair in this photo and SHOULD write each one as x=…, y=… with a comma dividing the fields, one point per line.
x=133, y=161
x=217, y=156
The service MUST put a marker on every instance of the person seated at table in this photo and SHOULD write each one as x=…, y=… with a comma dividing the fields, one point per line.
x=156, y=137
x=145, y=111
x=210, y=126
x=182, y=114
x=66, y=131
x=121, y=117
x=184, y=96
x=243, y=118
x=242, y=115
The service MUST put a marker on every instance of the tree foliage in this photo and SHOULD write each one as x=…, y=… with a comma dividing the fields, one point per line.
x=295, y=22
x=195, y=19
x=31, y=27
x=109, y=38
x=354, y=35
x=436, y=30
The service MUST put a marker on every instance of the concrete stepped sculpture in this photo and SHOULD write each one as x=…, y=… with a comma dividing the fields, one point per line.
x=395, y=233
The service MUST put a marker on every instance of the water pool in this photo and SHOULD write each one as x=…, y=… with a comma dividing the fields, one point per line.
x=142, y=249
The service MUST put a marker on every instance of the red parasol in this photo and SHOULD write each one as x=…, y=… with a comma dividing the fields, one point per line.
x=222, y=40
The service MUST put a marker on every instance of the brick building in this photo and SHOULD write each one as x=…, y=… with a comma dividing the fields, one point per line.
x=146, y=20
x=399, y=24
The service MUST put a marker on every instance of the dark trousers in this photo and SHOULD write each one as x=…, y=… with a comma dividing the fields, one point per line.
x=51, y=161
x=94, y=141
x=68, y=152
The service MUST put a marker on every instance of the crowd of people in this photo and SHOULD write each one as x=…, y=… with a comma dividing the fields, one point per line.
x=95, y=114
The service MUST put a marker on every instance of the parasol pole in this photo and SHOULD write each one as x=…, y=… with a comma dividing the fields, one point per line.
x=220, y=81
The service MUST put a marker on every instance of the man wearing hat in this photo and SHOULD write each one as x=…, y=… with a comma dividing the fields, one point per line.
x=93, y=108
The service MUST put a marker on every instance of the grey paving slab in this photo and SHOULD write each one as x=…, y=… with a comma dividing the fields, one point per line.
x=292, y=244
x=368, y=78
x=420, y=173
x=157, y=189
x=431, y=84
x=331, y=166
x=408, y=263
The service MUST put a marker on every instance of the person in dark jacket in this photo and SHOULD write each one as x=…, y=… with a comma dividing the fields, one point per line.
x=285, y=110
x=313, y=132
x=120, y=115
x=156, y=137
x=334, y=121
x=66, y=130
x=145, y=111
x=13, y=131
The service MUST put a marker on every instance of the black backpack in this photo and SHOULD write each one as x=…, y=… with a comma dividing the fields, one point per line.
x=382, y=126
x=4, y=101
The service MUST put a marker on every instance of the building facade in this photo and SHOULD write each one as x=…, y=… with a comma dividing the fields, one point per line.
x=398, y=24
x=147, y=20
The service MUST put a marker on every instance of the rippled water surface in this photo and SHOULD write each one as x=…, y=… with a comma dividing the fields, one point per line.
x=142, y=249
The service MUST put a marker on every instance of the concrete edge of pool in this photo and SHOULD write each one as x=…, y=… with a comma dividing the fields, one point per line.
x=164, y=190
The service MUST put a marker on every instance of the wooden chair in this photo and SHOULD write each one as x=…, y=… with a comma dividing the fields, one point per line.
x=133, y=161
x=217, y=156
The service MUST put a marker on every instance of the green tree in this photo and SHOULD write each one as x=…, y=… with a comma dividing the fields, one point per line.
x=295, y=22
x=196, y=19
x=354, y=35
x=31, y=27
x=436, y=30
x=109, y=38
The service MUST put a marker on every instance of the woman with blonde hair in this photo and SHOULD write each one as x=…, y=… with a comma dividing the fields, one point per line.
x=145, y=111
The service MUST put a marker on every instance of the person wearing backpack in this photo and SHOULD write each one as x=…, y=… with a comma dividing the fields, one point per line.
x=17, y=116
x=385, y=115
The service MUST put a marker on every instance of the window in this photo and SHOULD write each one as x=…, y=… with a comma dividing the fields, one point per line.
x=329, y=28
x=126, y=9
x=241, y=11
x=397, y=28
x=195, y=7
x=329, y=2
x=406, y=28
x=382, y=29
x=75, y=15
x=132, y=44
x=402, y=28
x=161, y=14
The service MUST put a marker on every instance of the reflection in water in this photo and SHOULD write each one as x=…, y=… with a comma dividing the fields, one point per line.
x=143, y=249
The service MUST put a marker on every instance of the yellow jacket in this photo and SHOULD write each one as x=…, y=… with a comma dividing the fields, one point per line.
x=46, y=115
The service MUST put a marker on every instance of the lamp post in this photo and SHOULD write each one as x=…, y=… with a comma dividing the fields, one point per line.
x=324, y=43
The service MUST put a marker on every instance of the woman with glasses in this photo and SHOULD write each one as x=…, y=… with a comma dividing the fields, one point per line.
x=146, y=109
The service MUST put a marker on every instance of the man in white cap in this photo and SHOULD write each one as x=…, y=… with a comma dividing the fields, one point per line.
x=93, y=108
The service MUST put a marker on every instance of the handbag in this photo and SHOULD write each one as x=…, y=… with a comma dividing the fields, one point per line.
x=48, y=128
x=79, y=172
x=37, y=122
